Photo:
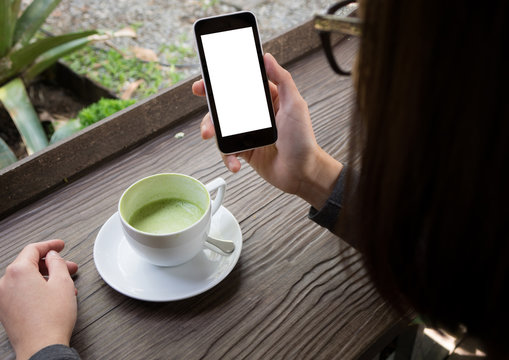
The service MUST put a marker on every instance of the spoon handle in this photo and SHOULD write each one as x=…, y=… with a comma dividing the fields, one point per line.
x=224, y=245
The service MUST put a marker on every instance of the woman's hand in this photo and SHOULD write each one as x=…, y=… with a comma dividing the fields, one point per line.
x=38, y=304
x=295, y=163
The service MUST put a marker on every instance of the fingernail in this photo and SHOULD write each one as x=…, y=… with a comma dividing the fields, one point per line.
x=231, y=164
x=52, y=253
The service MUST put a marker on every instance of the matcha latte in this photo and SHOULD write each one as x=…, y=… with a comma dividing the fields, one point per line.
x=165, y=216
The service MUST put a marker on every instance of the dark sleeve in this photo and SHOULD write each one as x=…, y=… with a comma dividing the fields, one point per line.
x=328, y=215
x=56, y=352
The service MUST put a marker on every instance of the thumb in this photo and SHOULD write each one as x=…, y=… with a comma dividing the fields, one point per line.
x=56, y=265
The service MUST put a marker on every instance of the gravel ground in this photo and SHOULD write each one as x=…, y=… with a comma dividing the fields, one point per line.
x=164, y=22
x=161, y=21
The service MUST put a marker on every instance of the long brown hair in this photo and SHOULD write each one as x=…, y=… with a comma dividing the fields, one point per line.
x=431, y=211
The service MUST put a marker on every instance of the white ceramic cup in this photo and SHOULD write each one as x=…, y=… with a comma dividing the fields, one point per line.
x=175, y=248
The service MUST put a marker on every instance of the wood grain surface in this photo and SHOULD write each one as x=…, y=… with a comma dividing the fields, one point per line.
x=297, y=292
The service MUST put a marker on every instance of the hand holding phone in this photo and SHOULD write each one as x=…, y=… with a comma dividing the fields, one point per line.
x=236, y=84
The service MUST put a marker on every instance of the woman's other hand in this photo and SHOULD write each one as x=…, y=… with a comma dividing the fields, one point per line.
x=38, y=305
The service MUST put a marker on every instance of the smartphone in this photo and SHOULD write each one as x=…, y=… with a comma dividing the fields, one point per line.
x=236, y=84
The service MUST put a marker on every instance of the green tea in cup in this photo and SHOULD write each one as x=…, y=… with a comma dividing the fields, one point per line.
x=165, y=216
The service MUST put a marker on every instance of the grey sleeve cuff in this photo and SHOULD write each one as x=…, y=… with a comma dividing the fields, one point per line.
x=328, y=215
x=56, y=352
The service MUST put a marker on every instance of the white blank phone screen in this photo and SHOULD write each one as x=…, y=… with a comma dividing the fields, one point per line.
x=236, y=81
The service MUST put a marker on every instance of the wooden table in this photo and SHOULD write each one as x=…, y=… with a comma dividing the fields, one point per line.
x=297, y=292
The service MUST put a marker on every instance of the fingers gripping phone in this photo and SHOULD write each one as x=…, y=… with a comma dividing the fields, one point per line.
x=236, y=84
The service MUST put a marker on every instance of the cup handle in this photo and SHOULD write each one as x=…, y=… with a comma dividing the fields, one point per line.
x=220, y=185
x=212, y=243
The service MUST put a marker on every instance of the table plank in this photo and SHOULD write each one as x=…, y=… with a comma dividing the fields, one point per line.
x=297, y=291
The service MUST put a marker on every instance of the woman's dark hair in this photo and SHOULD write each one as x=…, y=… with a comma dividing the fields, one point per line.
x=431, y=210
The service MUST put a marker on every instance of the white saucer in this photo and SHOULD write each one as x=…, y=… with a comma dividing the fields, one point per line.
x=122, y=269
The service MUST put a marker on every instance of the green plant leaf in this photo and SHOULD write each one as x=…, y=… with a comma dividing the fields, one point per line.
x=102, y=109
x=6, y=26
x=15, y=99
x=15, y=10
x=32, y=19
x=50, y=57
x=28, y=54
x=7, y=157
x=66, y=130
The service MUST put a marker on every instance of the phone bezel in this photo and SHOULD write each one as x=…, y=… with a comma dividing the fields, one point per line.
x=243, y=141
